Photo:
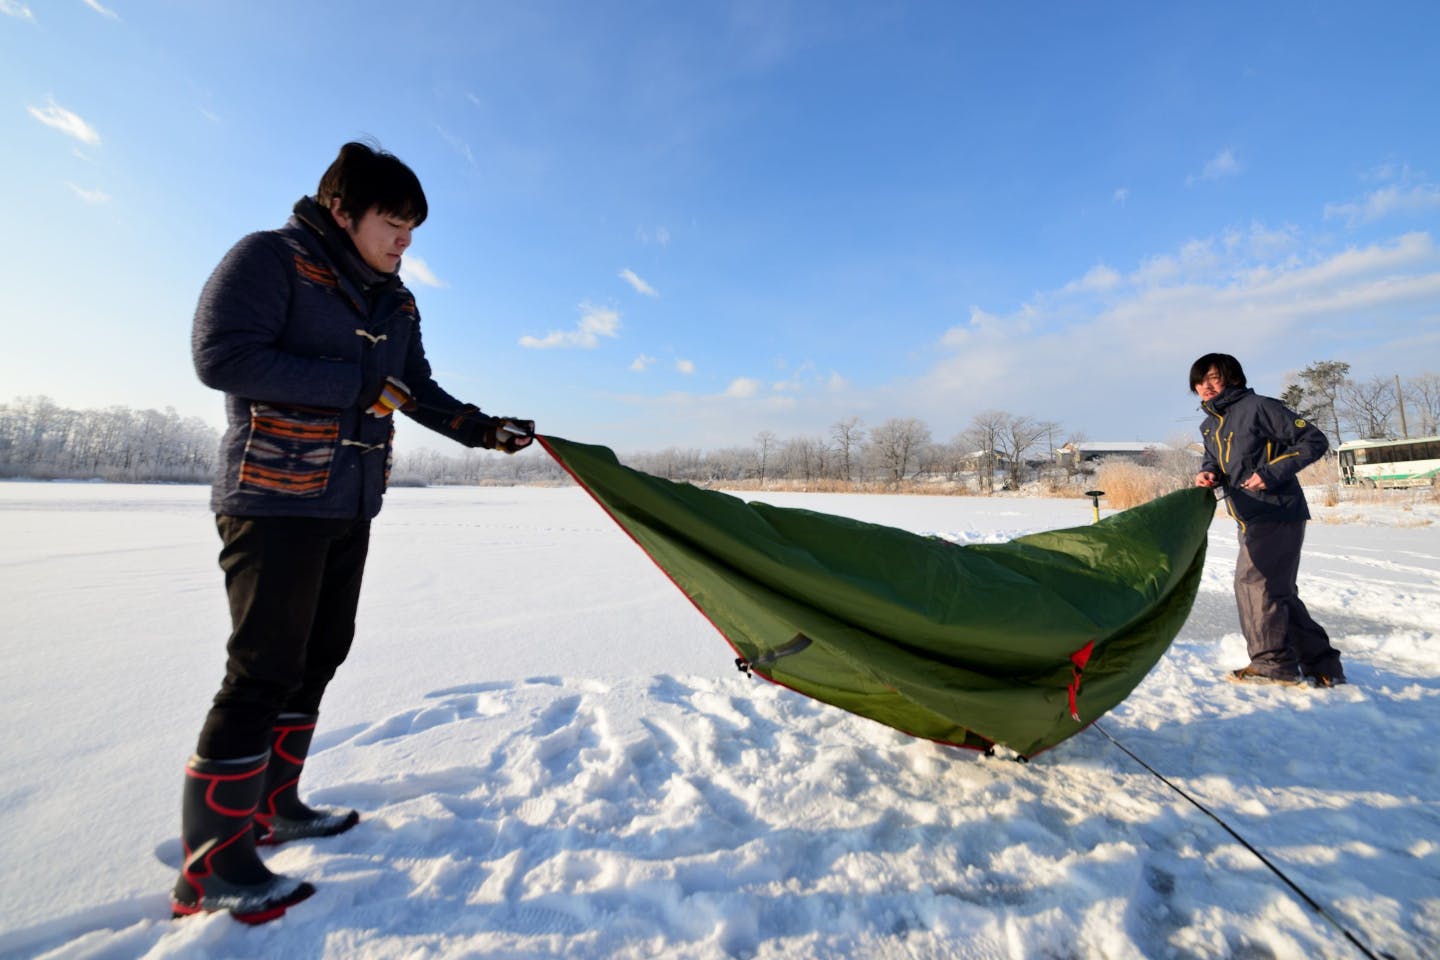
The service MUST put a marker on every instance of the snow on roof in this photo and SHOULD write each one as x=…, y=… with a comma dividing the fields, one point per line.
x=1119, y=446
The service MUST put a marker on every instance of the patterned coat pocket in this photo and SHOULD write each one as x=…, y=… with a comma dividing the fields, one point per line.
x=289, y=450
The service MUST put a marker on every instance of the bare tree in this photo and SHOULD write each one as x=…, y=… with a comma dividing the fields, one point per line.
x=672, y=463
x=1369, y=406
x=848, y=435
x=896, y=444
x=983, y=438
x=802, y=458
x=951, y=458
x=1422, y=393
x=765, y=442
x=1017, y=437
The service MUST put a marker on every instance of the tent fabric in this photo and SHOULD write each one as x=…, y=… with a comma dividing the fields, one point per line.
x=1019, y=644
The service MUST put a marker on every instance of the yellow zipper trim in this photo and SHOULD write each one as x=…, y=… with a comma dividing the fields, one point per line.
x=1222, y=450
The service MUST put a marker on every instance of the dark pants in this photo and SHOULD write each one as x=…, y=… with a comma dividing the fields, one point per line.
x=294, y=584
x=1280, y=634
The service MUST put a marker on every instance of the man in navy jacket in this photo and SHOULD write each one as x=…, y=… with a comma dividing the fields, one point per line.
x=315, y=342
x=1254, y=448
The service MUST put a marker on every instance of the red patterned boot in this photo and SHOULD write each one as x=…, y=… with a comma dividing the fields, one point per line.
x=282, y=816
x=222, y=870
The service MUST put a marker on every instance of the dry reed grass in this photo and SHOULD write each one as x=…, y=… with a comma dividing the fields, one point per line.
x=1129, y=484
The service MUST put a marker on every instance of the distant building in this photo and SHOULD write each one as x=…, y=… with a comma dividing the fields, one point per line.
x=1074, y=455
x=974, y=462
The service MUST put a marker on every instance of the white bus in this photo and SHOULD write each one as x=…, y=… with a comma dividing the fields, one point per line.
x=1390, y=463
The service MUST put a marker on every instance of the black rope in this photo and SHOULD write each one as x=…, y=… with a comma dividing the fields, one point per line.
x=1309, y=900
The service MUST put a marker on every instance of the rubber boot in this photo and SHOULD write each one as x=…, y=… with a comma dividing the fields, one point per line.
x=221, y=869
x=282, y=816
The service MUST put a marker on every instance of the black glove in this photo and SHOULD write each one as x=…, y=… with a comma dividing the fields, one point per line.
x=515, y=435
x=476, y=429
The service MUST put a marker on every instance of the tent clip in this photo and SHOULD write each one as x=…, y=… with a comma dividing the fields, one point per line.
x=793, y=646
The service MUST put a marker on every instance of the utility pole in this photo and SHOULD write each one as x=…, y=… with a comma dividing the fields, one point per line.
x=1404, y=431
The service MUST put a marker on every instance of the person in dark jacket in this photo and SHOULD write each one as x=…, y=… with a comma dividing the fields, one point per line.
x=1254, y=448
x=315, y=341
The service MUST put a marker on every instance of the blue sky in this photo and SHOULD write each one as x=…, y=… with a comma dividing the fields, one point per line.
x=659, y=224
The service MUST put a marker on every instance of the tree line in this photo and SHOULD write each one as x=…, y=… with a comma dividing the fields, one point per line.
x=39, y=439
x=1377, y=408
x=998, y=448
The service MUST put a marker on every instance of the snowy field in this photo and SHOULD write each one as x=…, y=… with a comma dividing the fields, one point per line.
x=554, y=756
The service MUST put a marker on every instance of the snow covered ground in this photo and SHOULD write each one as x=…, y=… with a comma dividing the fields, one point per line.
x=554, y=756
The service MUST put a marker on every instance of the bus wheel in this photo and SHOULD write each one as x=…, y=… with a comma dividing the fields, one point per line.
x=1369, y=483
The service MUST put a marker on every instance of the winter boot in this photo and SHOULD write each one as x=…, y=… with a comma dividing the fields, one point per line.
x=221, y=869
x=282, y=816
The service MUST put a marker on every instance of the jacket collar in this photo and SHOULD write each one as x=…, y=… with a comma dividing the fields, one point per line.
x=342, y=250
x=1225, y=398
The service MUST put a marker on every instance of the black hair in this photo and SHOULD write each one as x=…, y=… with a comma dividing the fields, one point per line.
x=363, y=177
x=1227, y=366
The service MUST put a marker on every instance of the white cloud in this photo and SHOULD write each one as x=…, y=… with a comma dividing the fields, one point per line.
x=1121, y=195
x=1229, y=256
x=1196, y=258
x=1265, y=243
x=595, y=322
x=640, y=286
x=1223, y=164
x=70, y=124
x=1393, y=200
x=1122, y=363
x=982, y=324
x=459, y=146
x=644, y=362
x=659, y=235
x=13, y=8
x=742, y=388
x=802, y=379
x=89, y=196
x=415, y=270
x=103, y=11
x=1388, y=172
x=1097, y=280
x=1115, y=369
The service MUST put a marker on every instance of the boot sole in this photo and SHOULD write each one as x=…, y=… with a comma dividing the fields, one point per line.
x=1259, y=680
x=274, y=838
x=275, y=911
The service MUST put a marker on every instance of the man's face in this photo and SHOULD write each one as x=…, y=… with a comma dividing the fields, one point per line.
x=1210, y=387
x=381, y=238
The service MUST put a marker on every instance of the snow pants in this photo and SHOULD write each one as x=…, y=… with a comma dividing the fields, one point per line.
x=1280, y=634
x=293, y=585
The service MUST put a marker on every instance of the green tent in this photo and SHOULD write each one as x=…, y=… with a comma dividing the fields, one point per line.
x=1019, y=644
